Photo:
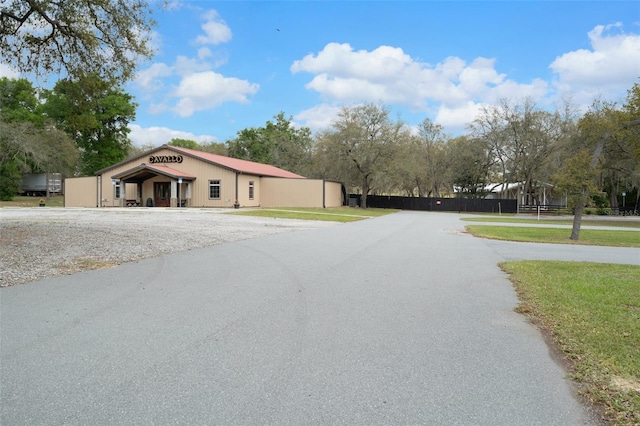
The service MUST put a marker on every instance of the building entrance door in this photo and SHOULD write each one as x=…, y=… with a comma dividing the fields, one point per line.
x=162, y=194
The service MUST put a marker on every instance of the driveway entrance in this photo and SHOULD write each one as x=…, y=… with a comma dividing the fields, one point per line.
x=398, y=320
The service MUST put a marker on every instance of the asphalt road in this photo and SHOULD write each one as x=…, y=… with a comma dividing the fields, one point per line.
x=396, y=320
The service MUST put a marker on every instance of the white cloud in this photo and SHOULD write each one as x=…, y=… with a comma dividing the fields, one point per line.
x=480, y=75
x=387, y=74
x=610, y=67
x=156, y=136
x=206, y=90
x=158, y=108
x=152, y=82
x=454, y=119
x=319, y=117
x=155, y=41
x=192, y=81
x=342, y=61
x=186, y=66
x=196, y=91
x=7, y=71
x=216, y=29
x=204, y=52
x=510, y=89
x=151, y=78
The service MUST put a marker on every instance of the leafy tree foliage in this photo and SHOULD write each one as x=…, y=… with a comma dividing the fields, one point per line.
x=433, y=152
x=35, y=149
x=214, y=148
x=184, y=143
x=28, y=142
x=522, y=138
x=405, y=173
x=577, y=177
x=10, y=179
x=362, y=142
x=96, y=115
x=471, y=167
x=135, y=151
x=627, y=150
x=18, y=100
x=420, y=164
x=103, y=37
x=279, y=144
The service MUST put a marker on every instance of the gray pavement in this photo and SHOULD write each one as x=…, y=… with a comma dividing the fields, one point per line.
x=397, y=320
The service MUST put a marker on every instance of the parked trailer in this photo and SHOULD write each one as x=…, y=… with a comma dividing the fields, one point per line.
x=38, y=184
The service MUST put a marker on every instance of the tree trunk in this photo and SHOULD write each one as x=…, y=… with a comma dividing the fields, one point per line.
x=577, y=217
x=365, y=191
x=46, y=185
x=613, y=195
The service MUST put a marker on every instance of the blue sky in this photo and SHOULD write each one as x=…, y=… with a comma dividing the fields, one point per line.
x=222, y=66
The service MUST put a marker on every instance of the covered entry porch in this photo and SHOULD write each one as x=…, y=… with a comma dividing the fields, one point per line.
x=153, y=185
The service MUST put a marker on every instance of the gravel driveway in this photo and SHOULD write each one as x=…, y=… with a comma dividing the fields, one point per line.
x=37, y=243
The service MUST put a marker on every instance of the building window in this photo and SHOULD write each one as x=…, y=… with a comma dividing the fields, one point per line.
x=116, y=191
x=251, y=190
x=214, y=189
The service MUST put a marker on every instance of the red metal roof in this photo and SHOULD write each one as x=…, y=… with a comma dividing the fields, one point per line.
x=243, y=166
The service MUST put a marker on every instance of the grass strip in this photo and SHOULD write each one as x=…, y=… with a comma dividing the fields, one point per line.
x=592, y=312
x=24, y=201
x=339, y=214
x=590, y=222
x=558, y=236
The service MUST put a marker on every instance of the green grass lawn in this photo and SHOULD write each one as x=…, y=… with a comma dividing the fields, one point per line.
x=338, y=214
x=559, y=236
x=22, y=201
x=588, y=222
x=592, y=312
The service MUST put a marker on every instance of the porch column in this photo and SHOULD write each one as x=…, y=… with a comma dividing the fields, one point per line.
x=187, y=194
x=123, y=194
x=174, y=193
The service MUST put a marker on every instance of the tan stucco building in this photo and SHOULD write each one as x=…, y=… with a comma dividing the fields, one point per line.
x=171, y=176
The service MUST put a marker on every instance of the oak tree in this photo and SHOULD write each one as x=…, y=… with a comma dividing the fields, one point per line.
x=96, y=115
x=103, y=37
x=522, y=139
x=577, y=177
x=362, y=142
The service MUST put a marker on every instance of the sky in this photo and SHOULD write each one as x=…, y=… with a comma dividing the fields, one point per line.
x=223, y=66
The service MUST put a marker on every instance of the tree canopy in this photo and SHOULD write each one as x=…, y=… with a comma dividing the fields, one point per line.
x=18, y=100
x=184, y=143
x=211, y=147
x=361, y=142
x=96, y=115
x=280, y=144
x=521, y=138
x=29, y=143
x=103, y=37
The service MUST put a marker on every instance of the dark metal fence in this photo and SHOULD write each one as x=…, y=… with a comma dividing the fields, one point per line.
x=545, y=209
x=476, y=205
